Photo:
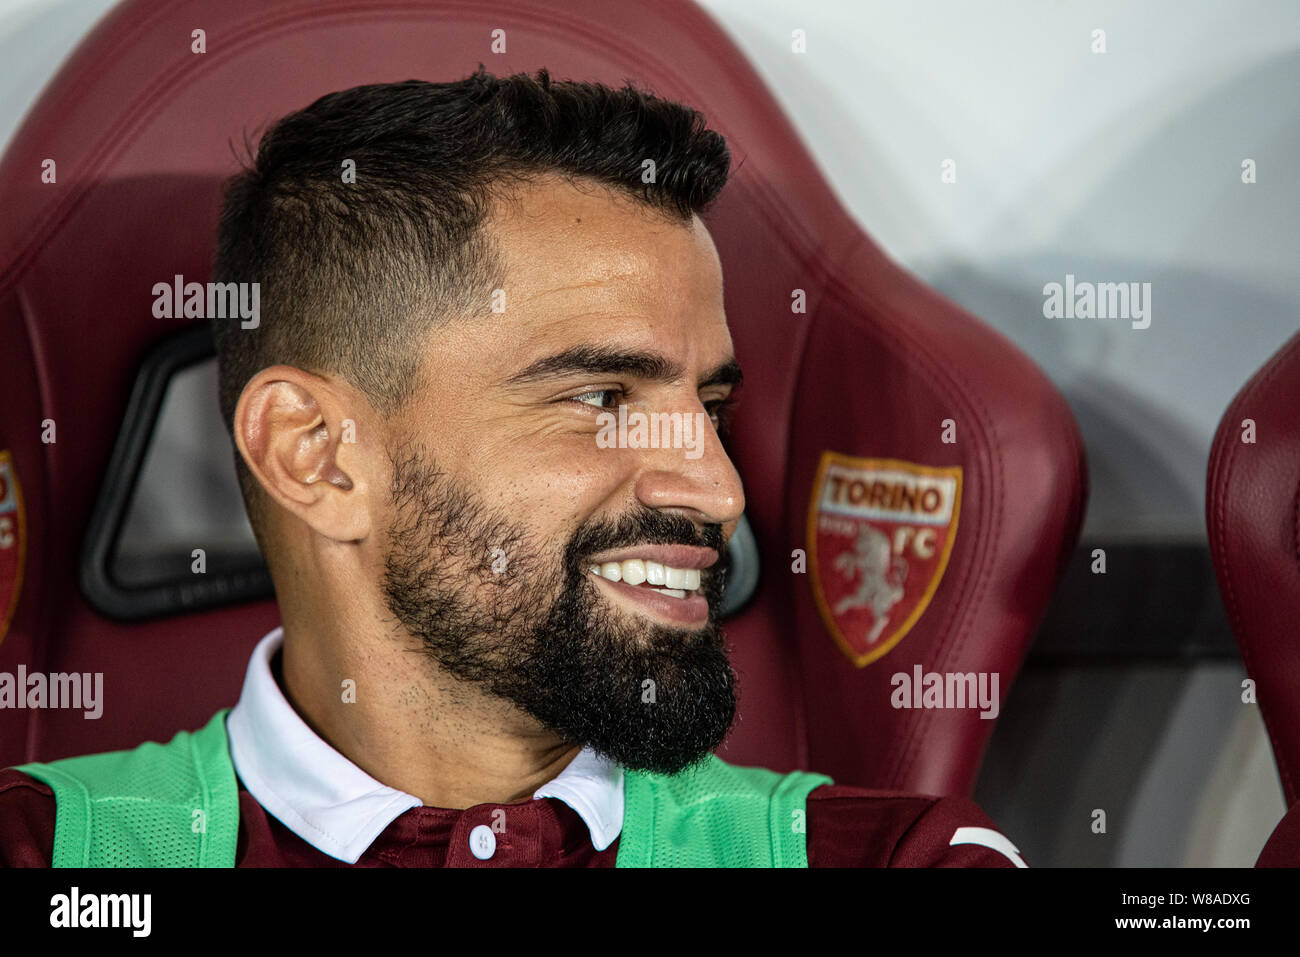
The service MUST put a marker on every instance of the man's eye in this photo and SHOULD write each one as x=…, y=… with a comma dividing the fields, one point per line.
x=716, y=408
x=721, y=411
x=586, y=397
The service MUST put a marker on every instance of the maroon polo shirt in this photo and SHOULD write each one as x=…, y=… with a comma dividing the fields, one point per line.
x=847, y=827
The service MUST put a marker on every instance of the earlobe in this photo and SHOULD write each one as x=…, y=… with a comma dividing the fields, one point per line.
x=288, y=426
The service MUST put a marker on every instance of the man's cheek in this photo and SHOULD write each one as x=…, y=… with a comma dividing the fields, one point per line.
x=524, y=561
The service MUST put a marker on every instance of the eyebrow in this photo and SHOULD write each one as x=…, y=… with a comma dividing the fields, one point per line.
x=602, y=360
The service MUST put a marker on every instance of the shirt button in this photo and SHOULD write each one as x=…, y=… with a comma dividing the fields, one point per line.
x=482, y=842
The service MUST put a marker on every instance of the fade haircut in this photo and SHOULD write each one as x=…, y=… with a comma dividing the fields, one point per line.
x=354, y=276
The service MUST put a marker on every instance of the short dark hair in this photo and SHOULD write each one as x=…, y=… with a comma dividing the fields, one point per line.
x=353, y=276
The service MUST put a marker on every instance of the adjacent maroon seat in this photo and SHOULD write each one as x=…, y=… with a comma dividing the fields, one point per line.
x=1252, y=511
x=878, y=368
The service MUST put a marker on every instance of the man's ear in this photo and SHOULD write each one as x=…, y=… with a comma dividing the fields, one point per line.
x=297, y=434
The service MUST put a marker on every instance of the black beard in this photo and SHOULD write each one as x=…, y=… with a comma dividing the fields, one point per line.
x=494, y=609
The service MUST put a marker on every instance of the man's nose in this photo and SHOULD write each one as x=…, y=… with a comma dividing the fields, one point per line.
x=700, y=479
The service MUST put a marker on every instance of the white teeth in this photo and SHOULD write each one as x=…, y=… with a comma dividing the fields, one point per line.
x=634, y=571
x=664, y=578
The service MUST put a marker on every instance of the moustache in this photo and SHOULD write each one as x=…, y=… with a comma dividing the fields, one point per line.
x=645, y=526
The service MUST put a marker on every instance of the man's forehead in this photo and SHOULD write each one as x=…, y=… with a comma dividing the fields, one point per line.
x=552, y=202
x=592, y=230
x=585, y=262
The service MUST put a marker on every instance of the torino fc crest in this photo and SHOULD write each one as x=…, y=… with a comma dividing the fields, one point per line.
x=879, y=535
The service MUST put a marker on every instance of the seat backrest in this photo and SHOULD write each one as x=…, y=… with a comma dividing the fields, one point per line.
x=915, y=483
x=1252, y=512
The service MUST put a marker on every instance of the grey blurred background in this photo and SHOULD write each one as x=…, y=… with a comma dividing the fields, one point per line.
x=1123, y=166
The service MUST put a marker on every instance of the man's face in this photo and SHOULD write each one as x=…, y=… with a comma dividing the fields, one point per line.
x=506, y=499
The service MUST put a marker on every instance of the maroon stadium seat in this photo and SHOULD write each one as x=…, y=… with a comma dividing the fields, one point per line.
x=1252, y=511
x=877, y=368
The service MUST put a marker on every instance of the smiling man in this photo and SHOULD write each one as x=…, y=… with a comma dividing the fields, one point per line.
x=500, y=640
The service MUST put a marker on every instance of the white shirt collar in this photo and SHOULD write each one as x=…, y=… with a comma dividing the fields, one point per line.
x=338, y=808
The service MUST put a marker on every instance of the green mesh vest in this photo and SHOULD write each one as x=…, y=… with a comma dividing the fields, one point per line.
x=177, y=805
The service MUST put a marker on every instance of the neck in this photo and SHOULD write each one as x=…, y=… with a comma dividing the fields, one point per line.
x=396, y=715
